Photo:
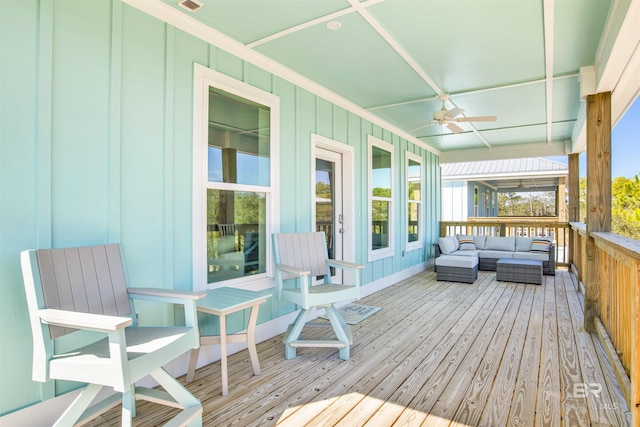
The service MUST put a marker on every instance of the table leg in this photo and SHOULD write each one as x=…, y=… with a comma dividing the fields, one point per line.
x=193, y=360
x=251, y=339
x=223, y=355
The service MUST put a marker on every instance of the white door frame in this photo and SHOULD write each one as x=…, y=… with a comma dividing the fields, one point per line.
x=348, y=191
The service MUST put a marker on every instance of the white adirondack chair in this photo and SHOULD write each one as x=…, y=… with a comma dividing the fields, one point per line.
x=302, y=257
x=85, y=288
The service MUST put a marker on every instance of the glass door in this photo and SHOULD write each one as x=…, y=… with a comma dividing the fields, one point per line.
x=329, y=216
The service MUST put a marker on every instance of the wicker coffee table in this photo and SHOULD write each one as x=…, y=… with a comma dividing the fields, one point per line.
x=519, y=270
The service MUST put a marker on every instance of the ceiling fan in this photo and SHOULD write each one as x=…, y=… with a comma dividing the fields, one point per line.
x=449, y=118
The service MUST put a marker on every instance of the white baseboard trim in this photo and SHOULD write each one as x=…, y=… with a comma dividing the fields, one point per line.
x=41, y=414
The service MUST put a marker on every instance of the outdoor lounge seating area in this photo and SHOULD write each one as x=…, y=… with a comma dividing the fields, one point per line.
x=438, y=353
x=489, y=249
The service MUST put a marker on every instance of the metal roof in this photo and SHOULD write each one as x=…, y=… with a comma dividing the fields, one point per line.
x=530, y=174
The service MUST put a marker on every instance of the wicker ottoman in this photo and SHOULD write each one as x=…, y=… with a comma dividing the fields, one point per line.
x=457, y=268
x=519, y=270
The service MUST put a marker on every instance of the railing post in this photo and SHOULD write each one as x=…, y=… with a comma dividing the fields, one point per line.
x=635, y=346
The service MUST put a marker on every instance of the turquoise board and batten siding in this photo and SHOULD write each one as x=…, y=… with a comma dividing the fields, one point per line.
x=96, y=146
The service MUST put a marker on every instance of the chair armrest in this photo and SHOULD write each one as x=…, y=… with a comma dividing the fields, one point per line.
x=88, y=321
x=293, y=270
x=161, y=294
x=185, y=298
x=344, y=264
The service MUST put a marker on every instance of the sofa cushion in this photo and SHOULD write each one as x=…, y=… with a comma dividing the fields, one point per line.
x=540, y=256
x=465, y=253
x=523, y=244
x=541, y=244
x=501, y=243
x=457, y=261
x=480, y=241
x=448, y=244
x=466, y=243
x=489, y=253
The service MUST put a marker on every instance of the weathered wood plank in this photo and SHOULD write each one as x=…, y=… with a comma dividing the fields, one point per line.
x=468, y=389
x=548, y=399
x=573, y=403
x=475, y=337
x=491, y=404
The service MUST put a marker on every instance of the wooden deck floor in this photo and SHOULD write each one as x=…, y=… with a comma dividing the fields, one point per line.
x=438, y=353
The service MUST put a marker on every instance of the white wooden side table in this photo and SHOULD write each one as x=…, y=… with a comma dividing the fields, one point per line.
x=221, y=302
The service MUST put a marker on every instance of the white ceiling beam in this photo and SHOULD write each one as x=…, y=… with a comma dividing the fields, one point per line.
x=362, y=10
x=549, y=19
x=556, y=148
x=303, y=26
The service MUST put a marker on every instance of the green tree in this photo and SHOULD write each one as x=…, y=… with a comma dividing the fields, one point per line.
x=530, y=203
x=625, y=206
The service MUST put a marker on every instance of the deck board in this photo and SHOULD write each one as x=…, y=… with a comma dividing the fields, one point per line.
x=438, y=353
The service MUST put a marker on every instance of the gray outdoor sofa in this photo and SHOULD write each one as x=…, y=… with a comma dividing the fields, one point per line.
x=490, y=249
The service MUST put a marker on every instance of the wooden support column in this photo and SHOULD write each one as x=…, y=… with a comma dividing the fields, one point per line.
x=574, y=187
x=561, y=202
x=598, y=194
x=573, y=211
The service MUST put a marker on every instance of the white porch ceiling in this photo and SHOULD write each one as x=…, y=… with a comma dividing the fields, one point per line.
x=517, y=60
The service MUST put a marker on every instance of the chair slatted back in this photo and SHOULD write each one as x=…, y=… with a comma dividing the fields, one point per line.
x=307, y=251
x=87, y=279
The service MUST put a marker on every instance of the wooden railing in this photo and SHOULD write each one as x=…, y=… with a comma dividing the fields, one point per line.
x=617, y=286
x=521, y=226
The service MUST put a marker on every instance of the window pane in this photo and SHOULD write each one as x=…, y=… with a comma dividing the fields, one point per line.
x=414, y=222
x=414, y=177
x=380, y=225
x=236, y=241
x=381, y=172
x=239, y=140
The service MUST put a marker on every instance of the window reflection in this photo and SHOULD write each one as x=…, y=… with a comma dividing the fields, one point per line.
x=236, y=241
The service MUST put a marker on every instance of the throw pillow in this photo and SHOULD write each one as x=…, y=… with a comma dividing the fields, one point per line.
x=540, y=244
x=466, y=243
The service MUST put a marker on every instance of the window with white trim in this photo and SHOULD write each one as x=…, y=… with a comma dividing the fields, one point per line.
x=475, y=201
x=380, y=198
x=414, y=201
x=234, y=179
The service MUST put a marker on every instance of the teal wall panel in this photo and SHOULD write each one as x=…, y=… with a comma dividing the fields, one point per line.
x=287, y=93
x=18, y=192
x=96, y=145
x=80, y=107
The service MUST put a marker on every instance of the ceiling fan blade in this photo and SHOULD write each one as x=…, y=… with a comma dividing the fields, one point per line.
x=422, y=127
x=477, y=119
x=454, y=127
x=454, y=112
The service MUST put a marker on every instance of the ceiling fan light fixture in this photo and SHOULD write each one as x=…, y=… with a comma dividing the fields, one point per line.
x=190, y=5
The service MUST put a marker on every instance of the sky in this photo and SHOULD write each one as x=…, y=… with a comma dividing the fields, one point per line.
x=625, y=146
